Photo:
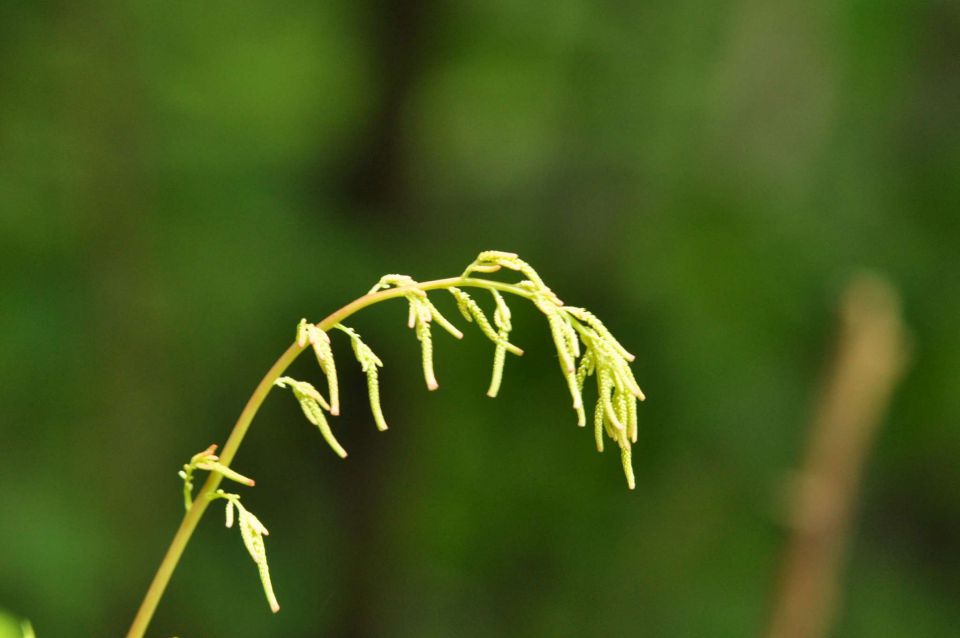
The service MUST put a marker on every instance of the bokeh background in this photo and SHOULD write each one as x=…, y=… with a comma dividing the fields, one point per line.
x=181, y=182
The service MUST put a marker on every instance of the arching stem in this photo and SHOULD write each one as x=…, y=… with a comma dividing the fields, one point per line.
x=190, y=520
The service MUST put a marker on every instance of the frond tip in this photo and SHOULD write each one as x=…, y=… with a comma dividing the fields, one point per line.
x=252, y=532
x=320, y=341
x=313, y=405
x=369, y=362
x=585, y=347
x=421, y=315
x=471, y=311
x=207, y=461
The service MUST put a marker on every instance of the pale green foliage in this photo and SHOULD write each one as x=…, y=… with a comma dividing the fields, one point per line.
x=252, y=532
x=577, y=331
x=208, y=461
x=422, y=313
x=587, y=317
x=490, y=261
x=471, y=311
x=585, y=347
x=251, y=529
x=313, y=404
x=501, y=317
x=320, y=341
x=369, y=362
x=425, y=337
x=12, y=626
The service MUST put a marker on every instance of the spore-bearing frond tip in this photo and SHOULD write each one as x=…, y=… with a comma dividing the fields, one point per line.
x=472, y=312
x=422, y=314
x=369, y=362
x=585, y=347
x=312, y=407
x=320, y=341
x=252, y=532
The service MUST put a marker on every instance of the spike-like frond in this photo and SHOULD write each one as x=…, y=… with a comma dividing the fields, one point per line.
x=501, y=317
x=471, y=311
x=320, y=341
x=585, y=347
x=426, y=352
x=421, y=314
x=252, y=532
x=369, y=362
x=312, y=406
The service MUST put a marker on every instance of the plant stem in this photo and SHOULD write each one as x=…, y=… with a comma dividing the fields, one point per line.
x=190, y=520
x=871, y=357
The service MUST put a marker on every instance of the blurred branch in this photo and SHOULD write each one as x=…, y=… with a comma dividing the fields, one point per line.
x=870, y=360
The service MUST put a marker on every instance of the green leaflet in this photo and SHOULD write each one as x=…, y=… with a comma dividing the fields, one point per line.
x=591, y=320
x=472, y=312
x=598, y=417
x=493, y=260
x=501, y=317
x=585, y=347
x=496, y=377
x=568, y=349
x=252, y=532
x=320, y=341
x=421, y=315
x=369, y=362
x=313, y=405
x=208, y=461
x=426, y=351
x=627, y=461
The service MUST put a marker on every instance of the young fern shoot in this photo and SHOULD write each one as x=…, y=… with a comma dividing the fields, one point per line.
x=422, y=312
x=585, y=348
x=501, y=317
x=313, y=404
x=252, y=532
x=369, y=362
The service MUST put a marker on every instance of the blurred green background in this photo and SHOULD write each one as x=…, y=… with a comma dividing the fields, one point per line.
x=181, y=182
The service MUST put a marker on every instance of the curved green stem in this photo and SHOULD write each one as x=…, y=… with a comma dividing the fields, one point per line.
x=200, y=503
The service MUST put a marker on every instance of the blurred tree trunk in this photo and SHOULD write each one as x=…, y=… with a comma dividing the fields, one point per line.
x=376, y=184
x=375, y=179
